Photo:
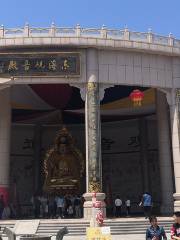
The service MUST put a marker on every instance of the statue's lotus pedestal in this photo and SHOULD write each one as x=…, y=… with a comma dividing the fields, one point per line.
x=88, y=204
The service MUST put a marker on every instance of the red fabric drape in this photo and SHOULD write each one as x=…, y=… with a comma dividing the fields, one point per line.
x=56, y=95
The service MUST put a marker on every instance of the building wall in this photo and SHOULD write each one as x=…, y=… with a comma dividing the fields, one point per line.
x=131, y=68
x=122, y=67
x=22, y=162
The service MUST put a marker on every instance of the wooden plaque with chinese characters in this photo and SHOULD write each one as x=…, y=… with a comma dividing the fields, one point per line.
x=42, y=64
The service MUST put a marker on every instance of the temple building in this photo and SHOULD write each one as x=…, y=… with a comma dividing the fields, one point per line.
x=89, y=110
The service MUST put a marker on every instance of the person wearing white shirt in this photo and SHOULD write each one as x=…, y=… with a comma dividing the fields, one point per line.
x=60, y=206
x=128, y=206
x=118, y=206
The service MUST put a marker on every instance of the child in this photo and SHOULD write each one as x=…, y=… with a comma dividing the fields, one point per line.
x=128, y=207
x=70, y=211
x=175, y=230
x=155, y=232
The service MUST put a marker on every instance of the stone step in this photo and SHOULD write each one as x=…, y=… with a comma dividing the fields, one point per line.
x=112, y=226
x=77, y=227
x=83, y=231
x=134, y=224
x=60, y=225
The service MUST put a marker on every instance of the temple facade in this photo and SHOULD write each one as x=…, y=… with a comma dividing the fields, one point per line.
x=83, y=78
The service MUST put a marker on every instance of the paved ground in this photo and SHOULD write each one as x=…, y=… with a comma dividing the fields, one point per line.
x=114, y=237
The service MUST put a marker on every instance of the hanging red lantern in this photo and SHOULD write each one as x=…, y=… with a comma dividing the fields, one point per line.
x=136, y=97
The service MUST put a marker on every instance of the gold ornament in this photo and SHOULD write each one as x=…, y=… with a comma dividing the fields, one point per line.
x=94, y=186
x=91, y=86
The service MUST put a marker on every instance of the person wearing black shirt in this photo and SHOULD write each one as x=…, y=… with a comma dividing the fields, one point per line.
x=175, y=229
x=77, y=206
x=2, y=205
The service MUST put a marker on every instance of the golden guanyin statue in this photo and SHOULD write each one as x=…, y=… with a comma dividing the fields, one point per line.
x=64, y=164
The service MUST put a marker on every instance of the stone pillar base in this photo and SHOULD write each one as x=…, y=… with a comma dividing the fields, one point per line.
x=176, y=201
x=88, y=204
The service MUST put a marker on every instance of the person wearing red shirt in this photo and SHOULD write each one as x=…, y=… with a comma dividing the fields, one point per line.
x=175, y=230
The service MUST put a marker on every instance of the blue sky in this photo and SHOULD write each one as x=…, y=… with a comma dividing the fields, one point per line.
x=139, y=15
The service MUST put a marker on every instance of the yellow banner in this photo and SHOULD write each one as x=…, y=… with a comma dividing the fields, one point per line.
x=98, y=233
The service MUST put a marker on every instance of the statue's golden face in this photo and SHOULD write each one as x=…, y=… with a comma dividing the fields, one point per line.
x=62, y=149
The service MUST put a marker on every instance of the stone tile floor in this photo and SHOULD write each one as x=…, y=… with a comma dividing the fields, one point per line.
x=114, y=237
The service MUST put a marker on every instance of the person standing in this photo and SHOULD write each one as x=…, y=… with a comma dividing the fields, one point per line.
x=70, y=211
x=6, y=214
x=155, y=232
x=52, y=206
x=2, y=205
x=37, y=206
x=60, y=206
x=147, y=204
x=118, y=206
x=175, y=229
x=77, y=207
x=128, y=207
x=44, y=205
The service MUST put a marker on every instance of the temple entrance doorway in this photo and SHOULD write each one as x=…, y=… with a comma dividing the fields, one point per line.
x=48, y=144
x=130, y=151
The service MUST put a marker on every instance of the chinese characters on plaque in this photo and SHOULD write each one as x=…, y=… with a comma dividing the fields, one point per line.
x=55, y=64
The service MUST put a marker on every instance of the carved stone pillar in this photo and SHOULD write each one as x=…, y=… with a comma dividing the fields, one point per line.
x=174, y=120
x=93, y=135
x=94, y=138
x=5, y=129
x=164, y=152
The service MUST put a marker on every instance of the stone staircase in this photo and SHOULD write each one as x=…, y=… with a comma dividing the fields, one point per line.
x=134, y=226
x=77, y=227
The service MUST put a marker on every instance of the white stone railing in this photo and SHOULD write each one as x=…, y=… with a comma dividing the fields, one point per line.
x=105, y=33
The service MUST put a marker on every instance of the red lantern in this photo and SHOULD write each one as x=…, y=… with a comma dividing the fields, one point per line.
x=136, y=97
